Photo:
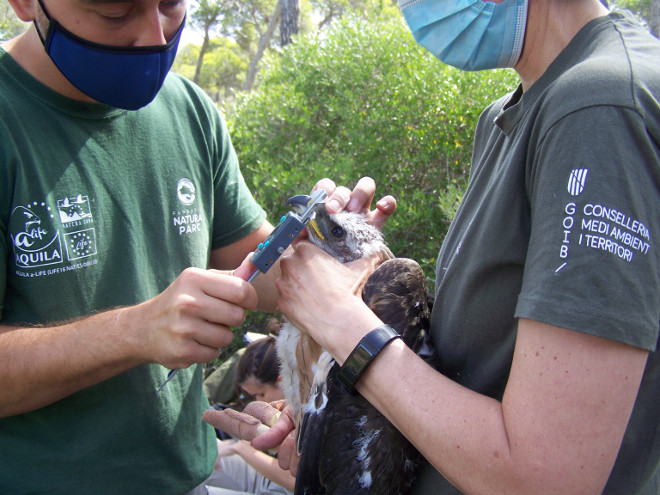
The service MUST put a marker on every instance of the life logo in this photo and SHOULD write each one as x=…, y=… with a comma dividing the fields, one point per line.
x=76, y=217
x=35, y=239
x=40, y=240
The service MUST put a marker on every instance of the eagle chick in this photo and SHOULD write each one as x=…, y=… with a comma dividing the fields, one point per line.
x=346, y=445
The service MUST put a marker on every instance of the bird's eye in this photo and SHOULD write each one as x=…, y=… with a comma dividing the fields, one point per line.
x=337, y=232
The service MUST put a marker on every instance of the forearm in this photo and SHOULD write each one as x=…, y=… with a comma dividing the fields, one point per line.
x=265, y=465
x=461, y=433
x=44, y=364
x=449, y=424
x=558, y=428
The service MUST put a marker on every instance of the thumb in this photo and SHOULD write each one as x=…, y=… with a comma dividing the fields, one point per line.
x=245, y=269
x=277, y=434
x=363, y=268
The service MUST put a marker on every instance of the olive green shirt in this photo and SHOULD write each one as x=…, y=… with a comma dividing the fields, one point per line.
x=560, y=224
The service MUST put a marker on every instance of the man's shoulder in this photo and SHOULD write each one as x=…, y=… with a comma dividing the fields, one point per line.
x=181, y=88
x=182, y=97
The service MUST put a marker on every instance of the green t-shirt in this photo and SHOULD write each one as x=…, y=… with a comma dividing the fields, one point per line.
x=101, y=207
x=560, y=224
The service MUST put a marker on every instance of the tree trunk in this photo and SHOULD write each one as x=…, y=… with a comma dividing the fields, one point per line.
x=264, y=40
x=200, y=58
x=289, y=23
x=327, y=19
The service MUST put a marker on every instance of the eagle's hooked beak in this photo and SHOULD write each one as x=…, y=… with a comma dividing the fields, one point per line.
x=299, y=204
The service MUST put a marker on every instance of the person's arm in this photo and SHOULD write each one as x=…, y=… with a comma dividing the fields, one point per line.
x=185, y=324
x=558, y=428
x=264, y=464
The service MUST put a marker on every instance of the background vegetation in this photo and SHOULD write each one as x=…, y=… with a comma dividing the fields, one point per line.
x=362, y=98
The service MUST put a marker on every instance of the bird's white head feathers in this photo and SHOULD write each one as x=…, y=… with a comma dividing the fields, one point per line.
x=345, y=235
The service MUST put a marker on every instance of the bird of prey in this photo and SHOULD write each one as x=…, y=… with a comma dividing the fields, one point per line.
x=346, y=445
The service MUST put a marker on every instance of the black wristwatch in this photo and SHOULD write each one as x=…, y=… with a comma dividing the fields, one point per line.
x=364, y=353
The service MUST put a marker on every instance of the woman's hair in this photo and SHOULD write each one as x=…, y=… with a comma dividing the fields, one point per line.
x=259, y=361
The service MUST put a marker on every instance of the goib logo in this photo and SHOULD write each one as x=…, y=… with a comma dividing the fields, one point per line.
x=576, y=181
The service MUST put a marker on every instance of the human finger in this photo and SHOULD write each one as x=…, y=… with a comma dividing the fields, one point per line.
x=226, y=286
x=237, y=424
x=328, y=185
x=362, y=195
x=385, y=207
x=263, y=411
x=338, y=200
x=295, y=458
x=287, y=456
x=245, y=269
x=277, y=433
x=361, y=270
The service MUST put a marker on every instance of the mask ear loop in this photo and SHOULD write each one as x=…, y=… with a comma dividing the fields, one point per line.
x=41, y=36
x=44, y=40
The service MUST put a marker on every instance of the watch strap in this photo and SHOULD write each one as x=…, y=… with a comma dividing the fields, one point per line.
x=364, y=353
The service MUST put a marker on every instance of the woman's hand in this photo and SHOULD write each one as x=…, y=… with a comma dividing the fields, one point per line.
x=322, y=297
x=359, y=200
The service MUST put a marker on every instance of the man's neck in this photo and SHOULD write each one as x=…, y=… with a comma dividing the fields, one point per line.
x=28, y=51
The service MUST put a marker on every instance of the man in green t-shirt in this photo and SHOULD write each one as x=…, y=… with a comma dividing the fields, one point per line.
x=119, y=187
x=548, y=281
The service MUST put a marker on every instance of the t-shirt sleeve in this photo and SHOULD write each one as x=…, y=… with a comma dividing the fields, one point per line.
x=592, y=263
x=236, y=213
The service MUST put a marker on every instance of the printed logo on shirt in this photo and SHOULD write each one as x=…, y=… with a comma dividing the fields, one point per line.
x=185, y=190
x=576, y=181
x=46, y=241
x=600, y=227
x=186, y=218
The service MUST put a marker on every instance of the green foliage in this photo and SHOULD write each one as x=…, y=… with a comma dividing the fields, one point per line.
x=641, y=7
x=362, y=98
x=223, y=69
x=10, y=24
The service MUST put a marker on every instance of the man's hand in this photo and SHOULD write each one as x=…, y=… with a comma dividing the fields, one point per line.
x=189, y=321
x=256, y=418
x=269, y=426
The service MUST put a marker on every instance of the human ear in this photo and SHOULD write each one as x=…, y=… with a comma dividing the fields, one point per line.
x=26, y=10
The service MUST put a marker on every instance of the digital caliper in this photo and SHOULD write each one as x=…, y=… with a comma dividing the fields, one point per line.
x=269, y=251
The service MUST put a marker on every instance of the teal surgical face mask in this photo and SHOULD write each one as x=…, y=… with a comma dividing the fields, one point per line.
x=469, y=34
